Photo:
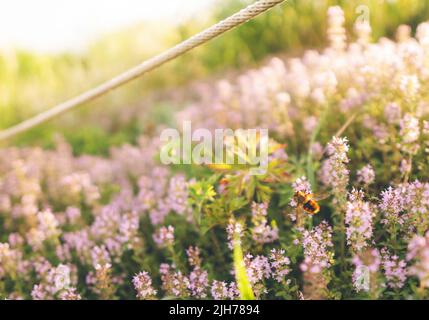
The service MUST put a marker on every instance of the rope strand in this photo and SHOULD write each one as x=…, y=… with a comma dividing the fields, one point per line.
x=229, y=23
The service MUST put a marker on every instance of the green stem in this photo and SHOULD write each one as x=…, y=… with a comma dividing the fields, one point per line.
x=342, y=243
x=309, y=160
x=342, y=228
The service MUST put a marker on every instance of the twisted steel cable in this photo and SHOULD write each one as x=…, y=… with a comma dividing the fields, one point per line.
x=223, y=26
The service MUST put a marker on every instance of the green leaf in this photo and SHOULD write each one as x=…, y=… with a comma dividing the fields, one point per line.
x=286, y=194
x=237, y=203
x=250, y=189
x=243, y=283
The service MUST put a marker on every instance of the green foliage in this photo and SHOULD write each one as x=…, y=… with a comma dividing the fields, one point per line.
x=243, y=283
x=200, y=192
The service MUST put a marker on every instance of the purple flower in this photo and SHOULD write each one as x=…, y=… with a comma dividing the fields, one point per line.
x=318, y=253
x=39, y=292
x=392, y=112
x=234, y=232
x=143, y=284
x=394, y=269
x=358, y=220
x=279, y=265
x=177, y=195
x=174, y=283
x=164, y=237
x=418, y=253
x=407, y=205
x=261, y=231
x=300, y=185
x=409, y=134
x=391, y=205
x=334, y=172
x=366, y=175
x=59, y=277
x=100, y=256
x=70, y=294
x=194, y=256
x=198, y=283
x=220, y=290
x=258, y=268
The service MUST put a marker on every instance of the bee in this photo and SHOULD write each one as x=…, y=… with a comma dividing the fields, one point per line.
x=308, y=202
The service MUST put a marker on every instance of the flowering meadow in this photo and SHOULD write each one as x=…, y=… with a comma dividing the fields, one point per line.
x=350, y=122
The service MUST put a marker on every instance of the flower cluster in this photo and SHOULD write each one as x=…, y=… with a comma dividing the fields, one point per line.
x=366, y=263
x=279, y=265
x=366, y=175
x=234, y=231
x=317, y=243
x=394, y=269
x=164, y=237
x=95, y=227
x=359, y=221
x=409, y=133
x=143, y=284
x=56, y=284
x=198, y=278
x=258, y=270
x=418, y=252
x=334, y=172
x=220, y=290
x=174, y=282
x=406, y=206
x=261, y=231
x=300, y=184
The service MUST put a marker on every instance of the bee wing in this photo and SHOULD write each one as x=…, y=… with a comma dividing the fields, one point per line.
x=321, y=196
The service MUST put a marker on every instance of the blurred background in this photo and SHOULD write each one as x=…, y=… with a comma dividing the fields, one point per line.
x=52, y=50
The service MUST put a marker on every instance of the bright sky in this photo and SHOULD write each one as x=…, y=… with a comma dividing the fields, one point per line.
x=56, y=25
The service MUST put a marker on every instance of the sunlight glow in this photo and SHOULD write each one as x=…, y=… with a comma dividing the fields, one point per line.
x=58, y=25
